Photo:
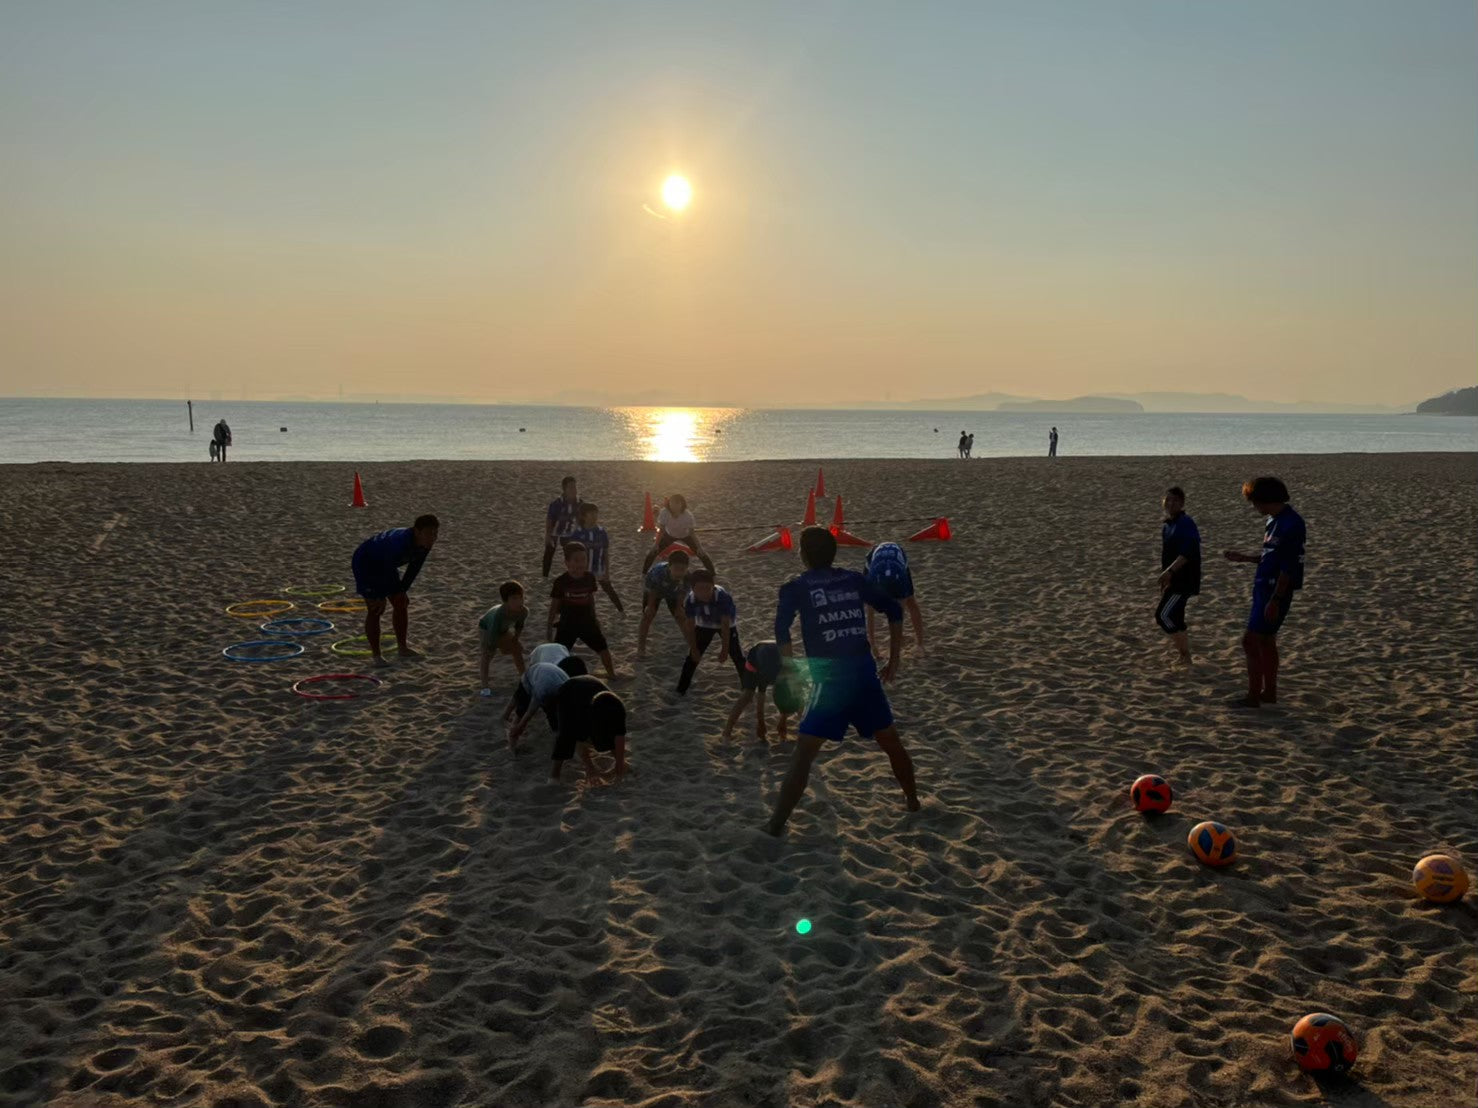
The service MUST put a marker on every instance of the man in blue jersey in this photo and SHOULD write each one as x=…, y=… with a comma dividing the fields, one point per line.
x=846, y=687
x=887, y=568
x=561, y=520
x=1279, y=574
x=377, y=578
x=1180, y=569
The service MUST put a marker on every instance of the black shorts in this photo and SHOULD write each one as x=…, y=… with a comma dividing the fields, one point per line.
x=1170, y=612
x=584, y=629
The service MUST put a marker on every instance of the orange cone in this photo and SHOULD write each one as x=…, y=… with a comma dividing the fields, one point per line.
x=780, y=540
x=820, y=482
x=648, y=518
x=846, y=538
x=938, y=531
x=359, y=501
x=837, y=521
x=810, y=520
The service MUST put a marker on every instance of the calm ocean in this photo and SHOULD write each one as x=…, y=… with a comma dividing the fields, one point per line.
x=33, y=430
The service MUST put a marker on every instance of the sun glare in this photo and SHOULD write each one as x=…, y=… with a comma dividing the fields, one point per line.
x=675, y=434
x=676, y=192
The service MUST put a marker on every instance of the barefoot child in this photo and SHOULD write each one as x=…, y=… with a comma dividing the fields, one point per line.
x=561, y=518
x=589, y=717
x=765, y=669
x=887, y=568
x=675, y=523
x=376, y=564
x=847, y=689
x=594, y=538
x=664, y=583
x=536, y=691
x=1279, y=574
x=499, y=629
x=1180, y=569
x=711, y=613
x=572, y=616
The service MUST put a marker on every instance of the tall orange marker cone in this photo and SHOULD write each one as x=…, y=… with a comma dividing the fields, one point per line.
x=938, y=531
x=648, y=519
x=810, y=520
x=820, y=482
x=359, y=501
x=780, y=540
x=837, y=521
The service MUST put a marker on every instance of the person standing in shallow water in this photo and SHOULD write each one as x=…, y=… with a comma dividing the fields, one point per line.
x=1052, y=443
x=1279, y=574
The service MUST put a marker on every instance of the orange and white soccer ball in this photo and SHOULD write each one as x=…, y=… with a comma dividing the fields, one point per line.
x=1212, y=843
x=1323, y=1044
x=1440, y=878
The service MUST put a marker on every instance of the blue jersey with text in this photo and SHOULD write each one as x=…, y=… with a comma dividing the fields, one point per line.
x=833, y=621
x=598, y=543
x=887, y=567
x=1283, y=549
x=565, y=515
x=711, y=613
x=659, y=581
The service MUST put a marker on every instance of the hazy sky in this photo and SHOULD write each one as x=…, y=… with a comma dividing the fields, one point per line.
x=905, y=199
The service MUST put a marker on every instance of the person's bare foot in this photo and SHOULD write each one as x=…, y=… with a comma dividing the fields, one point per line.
x=913, y=804
x=1185, y=659
x=381, y=662
x=408, y=652
x=1248, y=701
x=773, y=829
x=1270, y=696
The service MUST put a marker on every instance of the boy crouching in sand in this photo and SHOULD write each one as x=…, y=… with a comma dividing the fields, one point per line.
x=499, y=629
x=589, y=717
x=765, y=669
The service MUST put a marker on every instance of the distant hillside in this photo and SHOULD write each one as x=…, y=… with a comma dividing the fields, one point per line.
x=1077, y=404
x=1456, y=402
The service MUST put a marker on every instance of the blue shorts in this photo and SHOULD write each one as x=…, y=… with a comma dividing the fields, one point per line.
x=375, y=580
x=1257, y=621
x=846, y=698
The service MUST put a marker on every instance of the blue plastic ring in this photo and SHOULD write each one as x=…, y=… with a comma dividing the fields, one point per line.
x=289, y=626
x=295, y=647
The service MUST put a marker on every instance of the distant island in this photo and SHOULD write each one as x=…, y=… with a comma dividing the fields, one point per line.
x=1077, y=404
x=1455, y=402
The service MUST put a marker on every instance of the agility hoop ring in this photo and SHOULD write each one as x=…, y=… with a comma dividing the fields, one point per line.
x=253, y=609
x=313, y=590
x=308, y=694
x=343, y=648
x=293, y=650
x=298, y=626
x=348, y=604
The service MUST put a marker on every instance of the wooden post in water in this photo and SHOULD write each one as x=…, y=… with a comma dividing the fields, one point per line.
x=190, y=407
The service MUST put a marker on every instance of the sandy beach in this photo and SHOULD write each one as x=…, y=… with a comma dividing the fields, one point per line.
x=217, y=894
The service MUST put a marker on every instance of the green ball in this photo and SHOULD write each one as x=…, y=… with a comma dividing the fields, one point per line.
x=803, y=927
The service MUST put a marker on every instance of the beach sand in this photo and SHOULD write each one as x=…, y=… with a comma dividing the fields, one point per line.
x=216, y=893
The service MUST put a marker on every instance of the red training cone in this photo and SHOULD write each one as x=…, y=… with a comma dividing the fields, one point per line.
x=780, y=540
x=810, y=520
x=359, y=501
x=820, y=482
x=648, y=518
x=846, y=538
x=836, y=514
x=938, y=531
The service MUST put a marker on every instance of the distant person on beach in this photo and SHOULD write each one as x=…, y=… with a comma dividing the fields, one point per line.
x=964, y=441
x=665, y=583
x=221, y=436
x=376, y=566
x=560, y=520
x=846, y=687
x=589, y=717
x=499, y=629
x=1180, y=569
x=1279, y=574
x=597, y=541
x=215, y=451
x=765, y=668
x=887, y=568
x=969, y=444
x=675, y=523
x=711, y=613
x=1052, y=443
x=572, y=615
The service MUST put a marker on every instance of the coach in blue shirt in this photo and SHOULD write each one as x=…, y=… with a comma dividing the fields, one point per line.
x=1180, y=569
x=377, y=578
x=1279, y=573
x=846, y=687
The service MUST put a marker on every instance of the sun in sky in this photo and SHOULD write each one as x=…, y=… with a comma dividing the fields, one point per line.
x=677, y=194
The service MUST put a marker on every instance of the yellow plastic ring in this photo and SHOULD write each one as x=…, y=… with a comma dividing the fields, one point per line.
x=347, y=604
x=252, y=609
